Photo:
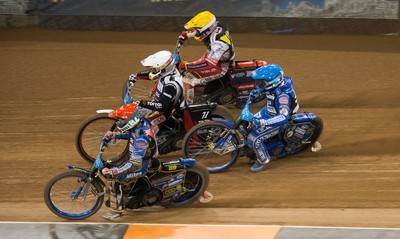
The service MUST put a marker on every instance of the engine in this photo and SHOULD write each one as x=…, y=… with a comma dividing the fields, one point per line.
x=145, y=198
x=169, y=140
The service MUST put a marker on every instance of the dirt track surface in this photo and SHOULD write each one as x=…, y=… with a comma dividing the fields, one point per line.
x=51, y=81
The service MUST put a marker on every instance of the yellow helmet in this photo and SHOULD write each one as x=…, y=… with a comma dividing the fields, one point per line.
x=204, y=23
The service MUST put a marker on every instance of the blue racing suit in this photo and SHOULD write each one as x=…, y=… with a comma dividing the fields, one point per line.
x=271, y=120
x=142, y=148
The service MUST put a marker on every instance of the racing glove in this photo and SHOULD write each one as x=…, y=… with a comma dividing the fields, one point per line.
x=253, y=94
x=109, y=171
x=108, y=136
x=183, y=36
x=258, y=123
x=131, y=80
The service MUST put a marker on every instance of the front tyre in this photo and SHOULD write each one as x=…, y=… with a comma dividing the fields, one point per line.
x=63, y=195
x=89, y=136
x=198, y=140
x=197, y=179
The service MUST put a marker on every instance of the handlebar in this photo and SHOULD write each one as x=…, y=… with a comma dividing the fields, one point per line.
x=105, y=140
x=179, y=43
x=245, y=115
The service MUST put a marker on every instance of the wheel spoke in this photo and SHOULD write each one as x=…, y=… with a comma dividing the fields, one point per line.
x=199, y=146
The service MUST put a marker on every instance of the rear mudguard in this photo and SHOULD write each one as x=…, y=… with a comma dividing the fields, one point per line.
x=178, y=164
x=303, y=117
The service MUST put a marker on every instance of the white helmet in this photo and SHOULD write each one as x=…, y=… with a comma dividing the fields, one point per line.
x=162, y=62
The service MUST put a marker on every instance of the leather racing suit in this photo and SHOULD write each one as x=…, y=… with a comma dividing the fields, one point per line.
x=213, y=64
x=167, y=98
x=272, y=118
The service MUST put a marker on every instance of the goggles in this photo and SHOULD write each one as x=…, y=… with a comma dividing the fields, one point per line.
x=201, y=35
x=262, y=84
x=162, y=68
x=156, y=71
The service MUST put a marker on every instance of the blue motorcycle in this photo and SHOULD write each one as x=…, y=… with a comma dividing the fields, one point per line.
x=79, y=192
x=219, y=143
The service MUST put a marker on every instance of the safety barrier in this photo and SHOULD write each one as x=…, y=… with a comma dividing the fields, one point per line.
x=184, y=231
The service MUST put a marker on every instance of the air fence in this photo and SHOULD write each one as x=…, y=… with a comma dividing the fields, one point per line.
x=274, y=16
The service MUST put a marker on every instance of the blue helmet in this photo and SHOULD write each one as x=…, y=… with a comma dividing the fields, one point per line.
x=268, y=77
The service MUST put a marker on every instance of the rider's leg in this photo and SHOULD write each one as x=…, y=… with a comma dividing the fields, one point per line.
x=255, y=141
x=116, y=203
x=188, y=84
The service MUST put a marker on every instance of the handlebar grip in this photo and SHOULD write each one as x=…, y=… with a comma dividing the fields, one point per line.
x=179, y=43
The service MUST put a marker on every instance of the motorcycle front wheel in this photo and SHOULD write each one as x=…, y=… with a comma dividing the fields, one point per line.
x=63, y=195
x=197, y=179
x=89, y=136
x=198, y=143
x=223, y=113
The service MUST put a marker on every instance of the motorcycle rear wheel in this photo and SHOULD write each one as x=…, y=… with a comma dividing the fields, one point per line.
x=319, y=126
x=89, y=136
x=196, y=182
x=196, y=141
x=62, y=196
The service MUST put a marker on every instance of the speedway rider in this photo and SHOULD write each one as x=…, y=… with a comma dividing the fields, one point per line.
x=270, y=121
x=215, y=62
x=142, y=153
x=143, y=148
x=169, y=94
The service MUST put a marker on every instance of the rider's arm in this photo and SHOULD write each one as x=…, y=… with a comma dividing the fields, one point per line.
x=122, y=136
x=282, y=103
x=135, y=162
x=165, y=102
x=210, y=60
x=141, y=75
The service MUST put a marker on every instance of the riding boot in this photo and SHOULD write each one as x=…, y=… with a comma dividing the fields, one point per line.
x=113, y=215
x=260, y=164
x=115, y=203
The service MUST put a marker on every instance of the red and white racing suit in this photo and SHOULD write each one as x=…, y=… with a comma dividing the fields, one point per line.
x=212, y=65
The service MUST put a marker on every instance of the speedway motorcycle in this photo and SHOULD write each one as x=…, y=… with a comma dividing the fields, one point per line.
x=218, y=144
x=79, y=193
x=233, y=88
x=169, y=137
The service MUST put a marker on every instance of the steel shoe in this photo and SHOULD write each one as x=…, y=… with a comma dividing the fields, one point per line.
x=113, y=215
